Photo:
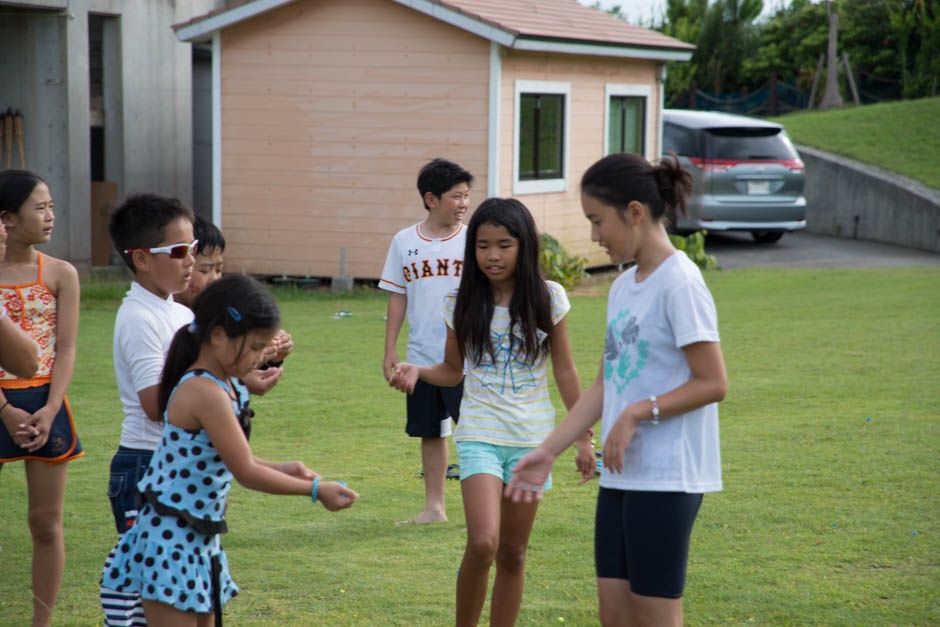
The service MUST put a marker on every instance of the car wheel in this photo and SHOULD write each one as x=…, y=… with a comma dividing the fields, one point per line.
x=766, y=237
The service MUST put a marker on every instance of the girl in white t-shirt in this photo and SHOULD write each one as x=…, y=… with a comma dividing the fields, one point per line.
x=661, y=377
x=502, y=323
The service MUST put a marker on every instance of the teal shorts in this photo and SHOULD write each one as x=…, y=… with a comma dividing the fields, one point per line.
x=492, y=459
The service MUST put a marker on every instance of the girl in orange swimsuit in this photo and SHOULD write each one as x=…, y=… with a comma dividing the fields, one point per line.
x=41, y=295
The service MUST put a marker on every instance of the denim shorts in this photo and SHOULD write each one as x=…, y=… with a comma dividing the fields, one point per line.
x=127, y=468
x=491, y=459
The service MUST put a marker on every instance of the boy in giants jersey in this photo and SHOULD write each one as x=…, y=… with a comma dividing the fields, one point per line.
x=423, y=265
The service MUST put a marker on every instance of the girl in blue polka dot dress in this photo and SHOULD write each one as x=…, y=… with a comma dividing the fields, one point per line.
x=172, y=556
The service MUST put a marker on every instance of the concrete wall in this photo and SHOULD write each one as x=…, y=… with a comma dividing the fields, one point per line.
x=34, y=80
x=44, y=56
x=202, y=131
x=849, y=199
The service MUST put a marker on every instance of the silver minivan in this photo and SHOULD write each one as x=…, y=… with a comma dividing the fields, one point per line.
x=748, y=176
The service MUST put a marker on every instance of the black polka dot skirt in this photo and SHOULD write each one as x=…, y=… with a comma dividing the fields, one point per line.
x=163, y=559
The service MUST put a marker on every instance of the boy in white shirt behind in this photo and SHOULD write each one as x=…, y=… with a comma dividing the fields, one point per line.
x=423, y=265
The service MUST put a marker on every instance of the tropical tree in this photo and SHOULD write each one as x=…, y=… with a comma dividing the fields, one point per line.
x=832, y=98
x=683, y=20
x=893, y=42
x=789, y=45
x=915, y=25
x=728, y=37
x=725, y=35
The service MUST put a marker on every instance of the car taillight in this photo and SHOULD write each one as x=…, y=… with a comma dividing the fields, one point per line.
x=723, y=165
x=794, y=165
x=712, y=165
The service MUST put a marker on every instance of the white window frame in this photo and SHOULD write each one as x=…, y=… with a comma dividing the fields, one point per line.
x=541, y=186
x=634, y=90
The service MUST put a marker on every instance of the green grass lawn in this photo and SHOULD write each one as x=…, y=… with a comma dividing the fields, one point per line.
x=830, y=446
x=902, y=137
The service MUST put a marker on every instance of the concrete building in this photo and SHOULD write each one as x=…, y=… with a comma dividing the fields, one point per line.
x=324, y=110
x=105, y=90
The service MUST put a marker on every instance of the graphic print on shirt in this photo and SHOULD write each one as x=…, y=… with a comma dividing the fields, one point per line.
x=509, y=371
x=624, y=353
x=428, y=268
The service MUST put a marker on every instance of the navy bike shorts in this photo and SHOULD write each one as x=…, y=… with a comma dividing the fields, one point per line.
x=644, y=537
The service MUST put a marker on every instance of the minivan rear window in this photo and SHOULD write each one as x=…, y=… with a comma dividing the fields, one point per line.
x=748, y=144
x=679, y=140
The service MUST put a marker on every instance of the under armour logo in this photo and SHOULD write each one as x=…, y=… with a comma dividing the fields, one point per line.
x=412, y=252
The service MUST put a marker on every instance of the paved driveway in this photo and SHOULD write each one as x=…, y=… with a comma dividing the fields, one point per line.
x=808, y=250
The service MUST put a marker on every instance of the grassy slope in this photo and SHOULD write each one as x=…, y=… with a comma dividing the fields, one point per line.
x=902, y=137
x=815, y=525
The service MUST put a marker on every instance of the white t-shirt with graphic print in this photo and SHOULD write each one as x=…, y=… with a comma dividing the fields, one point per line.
x=506, y=402
x=425, y=270
x=648, y=323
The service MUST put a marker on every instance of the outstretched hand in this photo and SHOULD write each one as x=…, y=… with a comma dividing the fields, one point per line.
x=529, y=476
x=284, y=346
x=404, y=378
x=336, y=496
x=259, y=382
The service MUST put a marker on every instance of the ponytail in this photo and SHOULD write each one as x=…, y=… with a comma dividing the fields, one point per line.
x=675, y=185
x=620, y=178
x=182, y=354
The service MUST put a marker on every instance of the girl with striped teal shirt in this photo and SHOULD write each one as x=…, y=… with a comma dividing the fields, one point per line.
x=503, y=323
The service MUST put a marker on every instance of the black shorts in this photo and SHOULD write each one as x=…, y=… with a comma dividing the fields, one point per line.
x=428, y=405
x=644, y=537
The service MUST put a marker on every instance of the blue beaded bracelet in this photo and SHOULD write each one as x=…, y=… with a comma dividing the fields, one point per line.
x=313, y=495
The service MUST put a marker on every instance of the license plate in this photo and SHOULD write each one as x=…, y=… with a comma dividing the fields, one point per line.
x=758, y=187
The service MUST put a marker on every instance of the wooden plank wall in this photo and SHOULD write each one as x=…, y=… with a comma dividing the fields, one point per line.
x=560, y=213
x=328, y=111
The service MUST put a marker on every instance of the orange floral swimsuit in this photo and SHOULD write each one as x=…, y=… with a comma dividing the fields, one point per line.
x=32, y=306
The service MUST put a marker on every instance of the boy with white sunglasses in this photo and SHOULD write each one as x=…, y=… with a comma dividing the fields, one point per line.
x=154, y=237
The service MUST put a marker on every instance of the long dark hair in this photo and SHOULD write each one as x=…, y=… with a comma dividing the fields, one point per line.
x=620, y=178
x=16, y=186
x=531, y=305
x=238, y=304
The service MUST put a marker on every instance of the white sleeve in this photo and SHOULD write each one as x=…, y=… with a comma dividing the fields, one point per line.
x=691, y=312
x=142, y=346
x=560, y=304
x=393, y=277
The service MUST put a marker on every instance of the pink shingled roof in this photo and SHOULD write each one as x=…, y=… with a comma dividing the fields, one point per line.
x=552, y=19
x=561, y=19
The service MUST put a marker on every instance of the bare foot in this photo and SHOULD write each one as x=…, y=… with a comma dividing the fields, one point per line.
x=424, y=518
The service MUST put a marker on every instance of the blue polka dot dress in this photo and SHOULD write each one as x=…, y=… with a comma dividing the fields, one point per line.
x=172, y=554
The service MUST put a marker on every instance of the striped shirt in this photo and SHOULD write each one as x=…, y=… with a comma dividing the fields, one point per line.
x=506, y=401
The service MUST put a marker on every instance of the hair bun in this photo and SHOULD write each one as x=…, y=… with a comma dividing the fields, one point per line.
x=674, y=183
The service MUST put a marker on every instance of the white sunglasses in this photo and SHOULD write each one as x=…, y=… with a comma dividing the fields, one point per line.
x=175, y=251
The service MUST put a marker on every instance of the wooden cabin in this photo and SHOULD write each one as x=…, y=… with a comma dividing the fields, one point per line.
x=324, y=111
